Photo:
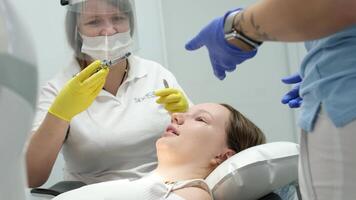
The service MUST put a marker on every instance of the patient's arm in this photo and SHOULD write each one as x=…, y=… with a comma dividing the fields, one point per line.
x=193, y=193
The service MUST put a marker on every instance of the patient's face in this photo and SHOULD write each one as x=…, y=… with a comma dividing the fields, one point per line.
x=198, y=134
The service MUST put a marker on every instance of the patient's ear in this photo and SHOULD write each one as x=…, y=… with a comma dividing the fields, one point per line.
x=223, y=156
x=229, y=153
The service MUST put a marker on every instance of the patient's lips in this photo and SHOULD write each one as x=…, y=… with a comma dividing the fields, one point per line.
x=171, y=131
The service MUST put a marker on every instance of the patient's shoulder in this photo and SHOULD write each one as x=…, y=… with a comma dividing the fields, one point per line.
x=193, y=193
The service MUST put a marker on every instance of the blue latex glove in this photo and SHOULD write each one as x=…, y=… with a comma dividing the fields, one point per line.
x=292, y=98
x=223, y=56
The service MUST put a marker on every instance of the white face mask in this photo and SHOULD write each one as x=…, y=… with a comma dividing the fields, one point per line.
x=107, y=47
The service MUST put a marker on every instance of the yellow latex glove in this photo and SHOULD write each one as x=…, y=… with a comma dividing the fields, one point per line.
x=172, y=99
x=79, y=92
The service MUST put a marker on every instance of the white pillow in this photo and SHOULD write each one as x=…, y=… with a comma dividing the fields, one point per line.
x=255, y=172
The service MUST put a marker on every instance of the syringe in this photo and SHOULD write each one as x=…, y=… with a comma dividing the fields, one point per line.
x=109, y=63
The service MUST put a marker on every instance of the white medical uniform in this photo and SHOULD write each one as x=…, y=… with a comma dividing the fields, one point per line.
x=151, y=187
x=115, y=137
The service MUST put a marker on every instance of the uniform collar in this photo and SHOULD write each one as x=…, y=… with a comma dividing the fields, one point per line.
x=136, y=70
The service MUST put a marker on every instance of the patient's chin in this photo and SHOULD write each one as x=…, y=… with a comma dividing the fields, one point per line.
x=165, y=143
x=166, y=140
x=161, y=143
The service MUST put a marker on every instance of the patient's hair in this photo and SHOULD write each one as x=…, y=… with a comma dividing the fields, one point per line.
x=241, y=132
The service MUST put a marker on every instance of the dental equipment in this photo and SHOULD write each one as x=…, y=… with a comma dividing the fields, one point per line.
x=165, y=83
x=109, y=63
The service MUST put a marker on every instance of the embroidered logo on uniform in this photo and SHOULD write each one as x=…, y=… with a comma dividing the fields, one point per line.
x=149, y=95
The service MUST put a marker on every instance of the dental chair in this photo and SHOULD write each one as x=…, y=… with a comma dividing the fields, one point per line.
x=256, y=172
x=263, y=172
x=18, y=90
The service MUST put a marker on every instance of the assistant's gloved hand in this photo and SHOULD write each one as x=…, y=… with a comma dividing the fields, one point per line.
x=79, y=92
x=172, y=99
x=223, y=56
x=292, y=98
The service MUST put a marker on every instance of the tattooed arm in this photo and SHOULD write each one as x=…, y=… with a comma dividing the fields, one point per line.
x=271, y=20
x=295, y=20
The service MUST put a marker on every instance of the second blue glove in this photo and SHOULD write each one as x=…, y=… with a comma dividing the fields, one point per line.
x=292, y=98
x=223, y=56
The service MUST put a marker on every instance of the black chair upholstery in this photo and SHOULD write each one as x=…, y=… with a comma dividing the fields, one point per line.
x=271, y=196
x=58, y=188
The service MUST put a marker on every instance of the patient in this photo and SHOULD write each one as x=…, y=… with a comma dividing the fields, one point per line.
x=191, y=147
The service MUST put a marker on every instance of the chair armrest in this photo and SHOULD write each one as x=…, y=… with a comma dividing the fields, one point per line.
x=58, y=188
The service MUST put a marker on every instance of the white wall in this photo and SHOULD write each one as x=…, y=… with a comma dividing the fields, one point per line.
x=150, y=32
x=163, y=29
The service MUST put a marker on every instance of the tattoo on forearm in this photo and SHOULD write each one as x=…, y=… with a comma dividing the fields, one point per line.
x=259, y=32
x=241, y=22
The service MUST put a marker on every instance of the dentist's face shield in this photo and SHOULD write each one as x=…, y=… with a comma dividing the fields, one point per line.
x=101, y=29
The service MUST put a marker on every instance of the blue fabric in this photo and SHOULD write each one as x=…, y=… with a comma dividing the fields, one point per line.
x=287, y=192
x=329, y=79
x=223, y=56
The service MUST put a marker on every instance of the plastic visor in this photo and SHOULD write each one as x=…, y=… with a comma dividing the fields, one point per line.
x=103, y=18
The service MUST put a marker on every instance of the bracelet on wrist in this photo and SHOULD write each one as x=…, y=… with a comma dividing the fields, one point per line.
x=232, y=34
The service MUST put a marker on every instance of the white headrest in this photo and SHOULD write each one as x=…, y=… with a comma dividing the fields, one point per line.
x=255, y=172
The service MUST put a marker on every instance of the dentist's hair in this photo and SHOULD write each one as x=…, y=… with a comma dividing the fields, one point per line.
x=71, y=22
x=241, y=132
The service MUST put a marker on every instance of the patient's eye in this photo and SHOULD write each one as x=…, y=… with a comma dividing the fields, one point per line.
x=200, y=119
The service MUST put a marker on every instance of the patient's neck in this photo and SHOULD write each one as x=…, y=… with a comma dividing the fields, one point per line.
x=177, y=172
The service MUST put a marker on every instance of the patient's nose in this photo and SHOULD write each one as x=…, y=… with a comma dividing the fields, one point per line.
x=177, y=118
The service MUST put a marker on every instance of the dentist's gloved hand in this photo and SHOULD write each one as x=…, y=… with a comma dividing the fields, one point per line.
x=292, y=98
x=79, y=92
x=223, y=56
x=172, y=99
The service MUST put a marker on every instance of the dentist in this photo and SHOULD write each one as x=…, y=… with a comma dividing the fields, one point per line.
x=104, y=121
